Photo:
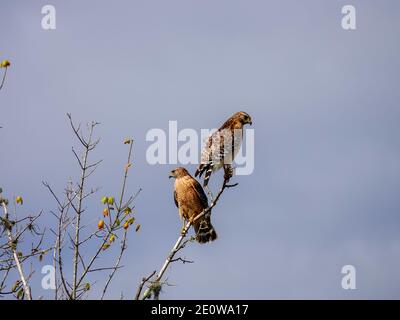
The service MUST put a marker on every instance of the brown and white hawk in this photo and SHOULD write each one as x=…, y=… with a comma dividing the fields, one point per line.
x=222, y=146
x=191, y=200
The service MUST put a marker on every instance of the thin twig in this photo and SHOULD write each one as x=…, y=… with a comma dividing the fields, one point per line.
x=116, y=267
x=142, y=283
x=182, y=259
x=4, y=78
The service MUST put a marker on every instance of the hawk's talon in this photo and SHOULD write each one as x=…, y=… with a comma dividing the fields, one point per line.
x=228, y=172
x=183, y=231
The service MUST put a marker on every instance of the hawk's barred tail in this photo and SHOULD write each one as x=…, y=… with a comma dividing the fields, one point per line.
x=199, y=171
x=205, y=232
x=207, y=168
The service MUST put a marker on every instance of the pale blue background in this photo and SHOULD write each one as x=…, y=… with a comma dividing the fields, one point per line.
x=325, y=105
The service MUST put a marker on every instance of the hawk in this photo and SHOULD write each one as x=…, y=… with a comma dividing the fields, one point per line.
x=222, y=147
x=191, y=200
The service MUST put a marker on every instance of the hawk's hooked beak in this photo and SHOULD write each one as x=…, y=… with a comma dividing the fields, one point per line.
x=170, y=176
x=251, y=121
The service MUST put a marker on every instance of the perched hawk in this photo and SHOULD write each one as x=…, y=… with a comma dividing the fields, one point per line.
x=222, y=146
x=191, y=200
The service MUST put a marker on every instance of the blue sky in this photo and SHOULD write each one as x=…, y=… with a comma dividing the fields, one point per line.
x=325, y=107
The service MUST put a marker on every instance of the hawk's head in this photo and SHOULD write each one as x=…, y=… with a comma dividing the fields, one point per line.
x=178, y=173
x=243, y=117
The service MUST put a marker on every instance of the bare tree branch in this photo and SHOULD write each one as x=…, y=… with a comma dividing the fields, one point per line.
x=27, y=288
x=88, y=146
x=142, y=283
x=180, y=244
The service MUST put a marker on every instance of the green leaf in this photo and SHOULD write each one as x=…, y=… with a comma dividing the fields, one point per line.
x=104, y=200
x=16, y=285
x=20, y=294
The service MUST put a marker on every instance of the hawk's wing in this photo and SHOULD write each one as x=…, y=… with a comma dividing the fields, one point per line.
x=192, y=202
x=175, y=199
x=193, y=186
x=200, y=192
